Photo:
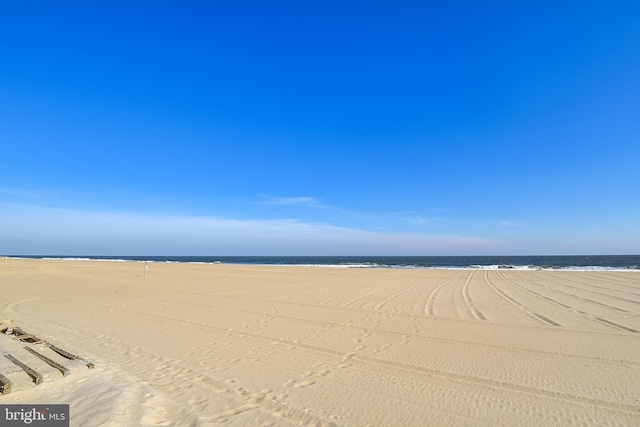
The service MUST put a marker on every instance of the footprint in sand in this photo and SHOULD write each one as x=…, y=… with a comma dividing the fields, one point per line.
x=304, y=384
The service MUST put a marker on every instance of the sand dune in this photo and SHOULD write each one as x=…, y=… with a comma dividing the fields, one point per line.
x=262, y=345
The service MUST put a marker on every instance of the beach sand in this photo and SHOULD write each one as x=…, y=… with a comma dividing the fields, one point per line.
x=198, y=344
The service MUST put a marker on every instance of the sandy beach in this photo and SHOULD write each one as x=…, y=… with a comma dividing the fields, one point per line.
x=206, y=344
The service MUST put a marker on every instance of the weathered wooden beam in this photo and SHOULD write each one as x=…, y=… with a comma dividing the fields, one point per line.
x=70, y=356
x=23, y=336
x=63, y=353
x=49, y=362
x=5, y=385
x=37, y=377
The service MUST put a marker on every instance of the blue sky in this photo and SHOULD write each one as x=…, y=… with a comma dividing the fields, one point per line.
x=320, y=128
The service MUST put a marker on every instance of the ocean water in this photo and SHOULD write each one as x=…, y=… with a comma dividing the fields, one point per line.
x=565, y=262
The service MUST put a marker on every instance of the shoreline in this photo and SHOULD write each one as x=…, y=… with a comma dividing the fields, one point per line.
x=352, y=262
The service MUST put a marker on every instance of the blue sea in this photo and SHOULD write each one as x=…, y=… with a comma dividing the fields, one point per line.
x=565, y=262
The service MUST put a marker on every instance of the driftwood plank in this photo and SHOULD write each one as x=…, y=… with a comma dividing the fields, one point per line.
x=48, y=361
x=5, y=385
x=63, y=353
x=70, y=356
x=23, y=336
x=37, y=377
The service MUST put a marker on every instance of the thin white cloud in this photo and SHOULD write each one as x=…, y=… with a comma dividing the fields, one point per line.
x=311, y=202
x=405, y=217
x=33, y=230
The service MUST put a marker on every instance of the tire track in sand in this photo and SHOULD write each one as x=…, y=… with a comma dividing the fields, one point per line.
x=592, y=301
x=397, y=294
x=545, y=319
x=428, y=308
x=478, y=381
x=477, y=314
x=517, y=304
x=360, y=298
x=579, y=312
